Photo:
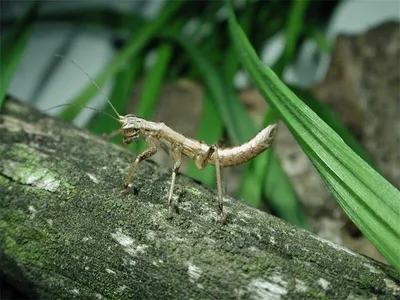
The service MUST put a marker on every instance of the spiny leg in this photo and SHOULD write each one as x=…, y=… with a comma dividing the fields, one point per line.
x=176, y=154
x=142, y=156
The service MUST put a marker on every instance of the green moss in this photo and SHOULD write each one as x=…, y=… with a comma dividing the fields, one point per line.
x=195, y=191
x=4, y=180
x=26, y=168
x=315, y=294
x=55, y=238
x=16, y=108
x=22, y=243
x=68, y=186
x=22, y=151
x=24, y=162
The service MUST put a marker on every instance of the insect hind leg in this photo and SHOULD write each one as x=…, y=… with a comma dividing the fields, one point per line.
x=177, y=155
x=201, y=162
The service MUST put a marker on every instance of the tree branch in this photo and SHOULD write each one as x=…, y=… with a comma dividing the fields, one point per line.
x=67, y=232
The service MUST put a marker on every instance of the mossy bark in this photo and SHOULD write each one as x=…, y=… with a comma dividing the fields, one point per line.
x=66, y=232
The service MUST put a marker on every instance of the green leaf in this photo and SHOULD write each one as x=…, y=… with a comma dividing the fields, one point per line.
x=135, y=44
x=334, y=122
x=12, y=46
x=370, y=201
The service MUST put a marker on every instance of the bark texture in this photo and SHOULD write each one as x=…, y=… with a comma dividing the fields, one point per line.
x=66, y=232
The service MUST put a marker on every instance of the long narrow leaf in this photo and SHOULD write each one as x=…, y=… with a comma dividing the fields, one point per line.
x=334, y=122
x=370, y=201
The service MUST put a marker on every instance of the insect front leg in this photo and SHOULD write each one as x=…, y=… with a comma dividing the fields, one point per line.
x=201, y=162
x=177, y=155
x=142, y=156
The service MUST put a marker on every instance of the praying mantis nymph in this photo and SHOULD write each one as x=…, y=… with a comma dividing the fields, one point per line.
x=133, y=128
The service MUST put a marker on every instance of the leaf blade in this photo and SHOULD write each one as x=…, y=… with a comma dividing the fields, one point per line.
x=369, y=199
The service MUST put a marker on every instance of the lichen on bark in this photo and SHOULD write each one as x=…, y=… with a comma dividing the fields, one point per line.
x=67, y=232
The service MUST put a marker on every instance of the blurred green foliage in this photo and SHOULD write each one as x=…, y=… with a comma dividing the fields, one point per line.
x=191, y=39
x=12, y=45
x=195, y=40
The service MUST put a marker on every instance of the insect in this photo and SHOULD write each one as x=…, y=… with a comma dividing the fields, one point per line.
x=134, y=128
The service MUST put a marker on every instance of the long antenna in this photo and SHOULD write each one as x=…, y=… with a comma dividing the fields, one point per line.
x=88, y=107
x=90, y=77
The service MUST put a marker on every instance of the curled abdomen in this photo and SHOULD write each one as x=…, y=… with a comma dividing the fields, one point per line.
x=240, y=154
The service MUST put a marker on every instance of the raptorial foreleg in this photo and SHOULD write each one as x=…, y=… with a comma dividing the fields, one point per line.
x=142, y=156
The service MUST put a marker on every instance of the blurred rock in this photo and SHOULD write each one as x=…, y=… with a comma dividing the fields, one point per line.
x=363, y=88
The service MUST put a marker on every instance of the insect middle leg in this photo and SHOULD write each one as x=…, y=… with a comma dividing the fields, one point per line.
x=142, y=156
x=177, y=155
